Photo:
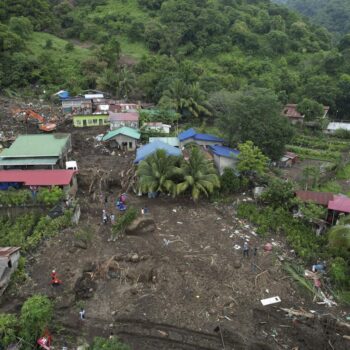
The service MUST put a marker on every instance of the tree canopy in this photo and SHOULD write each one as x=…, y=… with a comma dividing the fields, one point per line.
x=253, y=114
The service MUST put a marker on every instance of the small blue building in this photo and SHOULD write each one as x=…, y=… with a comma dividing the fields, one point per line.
x=224, y=157
x=145, y=151
x=205, y=140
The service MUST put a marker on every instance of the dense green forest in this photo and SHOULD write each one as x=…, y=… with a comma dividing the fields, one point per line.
x=177, y=53
x=332, y=14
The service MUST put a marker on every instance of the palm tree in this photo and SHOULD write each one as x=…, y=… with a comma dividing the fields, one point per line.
x=185, y=99
x=156, y=173
x=126, y=83
x=199, y=175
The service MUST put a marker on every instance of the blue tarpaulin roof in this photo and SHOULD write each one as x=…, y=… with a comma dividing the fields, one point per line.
x=207, y=137
x=191, y=133
x=145, y=151
x=224, y=151
x=187, y=134
x=62, y=94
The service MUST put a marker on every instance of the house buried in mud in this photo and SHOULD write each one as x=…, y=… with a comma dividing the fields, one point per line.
x=9, y=257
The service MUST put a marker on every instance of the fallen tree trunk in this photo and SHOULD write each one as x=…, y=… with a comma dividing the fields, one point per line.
x=339, y=324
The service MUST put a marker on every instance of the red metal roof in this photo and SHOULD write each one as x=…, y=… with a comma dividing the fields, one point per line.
x=5, y=252
x=127, y=116
x=340, y=203
x=321, y=198
x=59, y=177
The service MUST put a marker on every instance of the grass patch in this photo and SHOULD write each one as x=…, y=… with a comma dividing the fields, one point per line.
x=331, y=186
x=344, y=173
x=36, y=44
x=134, y=49
x=122, y=8
x=310, y=153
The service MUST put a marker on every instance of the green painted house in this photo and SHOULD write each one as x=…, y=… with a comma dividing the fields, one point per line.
x=81, y=121
x=124, y=138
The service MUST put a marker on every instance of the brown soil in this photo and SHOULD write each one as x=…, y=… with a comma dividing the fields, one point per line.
x=172, y=288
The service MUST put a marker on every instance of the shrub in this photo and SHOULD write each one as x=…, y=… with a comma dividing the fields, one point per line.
x=108, y=344
x=8, y=329
x=230, y=182
x=14, y=197
x=124, y=221
x=278, y=193
x=36, y=313
x=50, y=196
x=271, y=220
x=342, y=134
x=339, y=272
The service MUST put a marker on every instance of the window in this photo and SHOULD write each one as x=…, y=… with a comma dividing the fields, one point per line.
x=89, y=121
x=130, y=144
x=95, y=121
x=77, y=122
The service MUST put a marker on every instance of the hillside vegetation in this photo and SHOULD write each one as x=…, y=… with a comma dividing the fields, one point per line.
x=173, y=52
x=332, y=14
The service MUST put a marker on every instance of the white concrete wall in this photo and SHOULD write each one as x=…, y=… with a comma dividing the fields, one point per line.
x=224, y=162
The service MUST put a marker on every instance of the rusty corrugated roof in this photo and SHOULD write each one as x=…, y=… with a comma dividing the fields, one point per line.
x=5, y=252
x=321, y=198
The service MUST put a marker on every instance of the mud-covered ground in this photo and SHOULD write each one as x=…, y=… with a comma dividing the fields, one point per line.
x=170, y=288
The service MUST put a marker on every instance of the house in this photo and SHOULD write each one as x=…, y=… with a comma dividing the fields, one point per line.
x=172, y=141
x=334, y=126
x=39, y=151
x=158, y=127
x=77, y=105
x=81, y=121
x=123, y=138
x=118, y=107
x=224, y=157
x=338, y=205
x=145, y=151
x=288, y=159
x=320, y=198
x=290, y=111
x=206, y=140
x=117, y=120
x=66, y=179
x=9, y=257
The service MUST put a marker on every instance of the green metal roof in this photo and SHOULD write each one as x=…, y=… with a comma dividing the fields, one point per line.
x=36, y=146
x=28, y=161
x=133, y=133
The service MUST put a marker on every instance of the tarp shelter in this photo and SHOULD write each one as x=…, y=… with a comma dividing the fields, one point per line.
x=172, y=141
x=62, y=94
x=57, y=177
x=145, y=151
x=334, y=126
x=340, y=204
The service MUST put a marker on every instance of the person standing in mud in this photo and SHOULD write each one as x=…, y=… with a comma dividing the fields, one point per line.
x=246, y=249
x=104, y=217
